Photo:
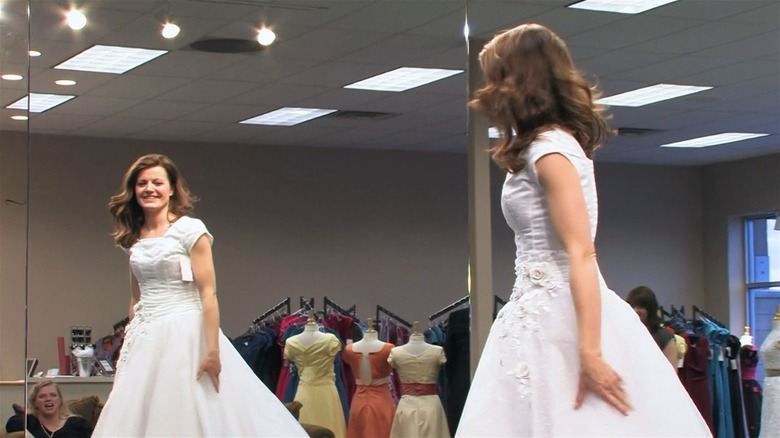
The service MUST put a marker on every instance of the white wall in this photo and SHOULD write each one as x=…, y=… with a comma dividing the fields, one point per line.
x=361, y=227
x=733, y=190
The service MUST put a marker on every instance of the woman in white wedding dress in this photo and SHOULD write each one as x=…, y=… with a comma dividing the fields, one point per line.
x=566, y=356
x=178, y=375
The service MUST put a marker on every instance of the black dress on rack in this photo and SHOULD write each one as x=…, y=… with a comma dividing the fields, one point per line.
x=752, y=393
x=458, y=366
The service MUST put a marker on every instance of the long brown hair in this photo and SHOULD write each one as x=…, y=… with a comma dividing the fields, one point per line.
x=531, y=83
x=63, y=411
x=124, y=207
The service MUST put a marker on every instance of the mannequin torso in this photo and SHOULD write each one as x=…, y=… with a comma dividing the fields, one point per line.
x=310, y=334
x=369, y=344
x=417, y=345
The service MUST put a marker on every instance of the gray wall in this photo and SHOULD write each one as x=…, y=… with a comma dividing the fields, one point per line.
x=361, y=227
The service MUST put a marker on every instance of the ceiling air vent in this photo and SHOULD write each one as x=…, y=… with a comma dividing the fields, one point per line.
x=226, y=45
x=361, y=115
x=636, y=132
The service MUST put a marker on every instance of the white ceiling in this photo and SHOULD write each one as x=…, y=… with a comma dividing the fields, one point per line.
x=322, y=45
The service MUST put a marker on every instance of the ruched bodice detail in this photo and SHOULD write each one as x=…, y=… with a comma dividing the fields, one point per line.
x=163, y=269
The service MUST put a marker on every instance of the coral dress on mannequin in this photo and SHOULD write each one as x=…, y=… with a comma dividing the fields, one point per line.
x=372, y=409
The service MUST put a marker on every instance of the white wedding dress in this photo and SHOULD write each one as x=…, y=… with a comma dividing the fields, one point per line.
x=155, y=392
x=527, y=378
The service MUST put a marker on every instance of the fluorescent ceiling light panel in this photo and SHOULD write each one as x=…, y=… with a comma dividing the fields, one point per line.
x=712, y=140
x=652, y=94
x=493, y=132
x=402, y=79
x=110, y=59
x=288, y=116
x=620, y=6
x=40, y=102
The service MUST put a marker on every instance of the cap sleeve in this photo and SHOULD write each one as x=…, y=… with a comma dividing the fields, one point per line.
x=334, y=346
x=192, y=229
x=553, y=142
x=391, y=358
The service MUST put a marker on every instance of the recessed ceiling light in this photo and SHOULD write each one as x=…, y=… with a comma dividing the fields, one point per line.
x=40, y=102
x=266, y=36
x=12, y=77
x=288, y=116
x=620, y=6
x=19, y=117
x=712, y=140
x=402, y=79
x=651, y=94
x=35, y=53
x=76, y=19
x=110, y=59
x=65, y=82
x=170, y=30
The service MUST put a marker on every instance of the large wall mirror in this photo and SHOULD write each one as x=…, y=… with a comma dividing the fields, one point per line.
x=365, y=205
x=14, y=82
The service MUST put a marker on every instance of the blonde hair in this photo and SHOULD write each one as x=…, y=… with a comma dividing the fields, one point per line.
x=63, y=411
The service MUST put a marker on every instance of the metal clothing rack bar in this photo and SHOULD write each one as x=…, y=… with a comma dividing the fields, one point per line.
x=382, y=310
x=330, y=304
x=452, y=306
x=285, y=303
x=698, y=311
x=307, y=304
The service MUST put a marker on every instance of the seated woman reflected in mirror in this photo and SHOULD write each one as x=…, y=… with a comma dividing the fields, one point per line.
x=48, y=415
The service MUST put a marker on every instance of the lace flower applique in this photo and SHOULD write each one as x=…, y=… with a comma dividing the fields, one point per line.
x=134, y=330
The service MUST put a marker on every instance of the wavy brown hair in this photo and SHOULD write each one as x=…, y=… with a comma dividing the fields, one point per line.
x=127, y=213
x=531, y=84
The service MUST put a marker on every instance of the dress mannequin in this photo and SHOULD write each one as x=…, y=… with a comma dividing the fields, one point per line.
x=746, y=339
x=416, y=344
x=419, y=412
x=311, y=331
x=372, y=410
x=313, y=353
x=770, y=355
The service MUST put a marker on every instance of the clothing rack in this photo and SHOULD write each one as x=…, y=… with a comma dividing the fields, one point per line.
x=381, y=310
x=307, y=304
x=698, y=312
x=330, y=304
x=452, y=306
x=284, y=304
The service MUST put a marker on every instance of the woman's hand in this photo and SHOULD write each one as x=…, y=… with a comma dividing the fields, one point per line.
x=596, y=375
x=212, y=367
